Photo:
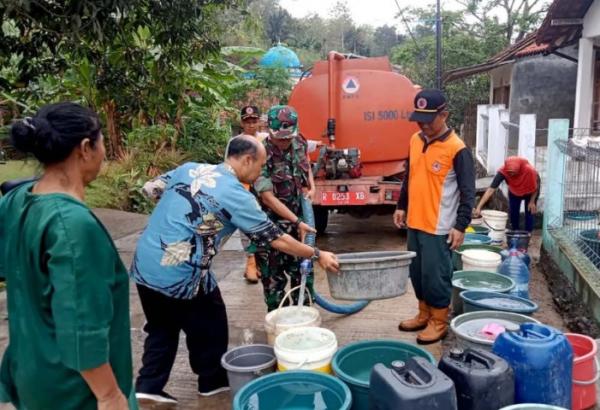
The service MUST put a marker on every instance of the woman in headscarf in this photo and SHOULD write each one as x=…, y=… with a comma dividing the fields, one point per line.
x=523, y=185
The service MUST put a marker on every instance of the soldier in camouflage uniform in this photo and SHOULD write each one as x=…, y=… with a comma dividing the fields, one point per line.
x=285, y=178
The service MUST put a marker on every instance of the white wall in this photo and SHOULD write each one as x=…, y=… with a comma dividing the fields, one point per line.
x=499, y=77
x=585, y=78
x=585, y=69
x=591, y=22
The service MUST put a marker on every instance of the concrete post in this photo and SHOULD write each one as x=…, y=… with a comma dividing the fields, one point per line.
x=527, y=127
x=482, y=132
x=585, y=81
x=558, y=130
x=498, y=138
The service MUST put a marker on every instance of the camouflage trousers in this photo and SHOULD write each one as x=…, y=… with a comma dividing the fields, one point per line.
x=275, y=268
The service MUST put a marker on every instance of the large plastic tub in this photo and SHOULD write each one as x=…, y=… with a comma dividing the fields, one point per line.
x=590, y=244
x=474, y=301
x=354, y=362
x=370, y=275
x=477, y=280
x=521, y=237
x=298, y=390
x=467, y=327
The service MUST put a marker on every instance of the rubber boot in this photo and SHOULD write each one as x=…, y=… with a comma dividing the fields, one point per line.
x=419, y=321
x=251, y=275
x=437, y=326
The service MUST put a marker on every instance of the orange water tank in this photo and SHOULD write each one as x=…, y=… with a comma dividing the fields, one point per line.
x=370, y=105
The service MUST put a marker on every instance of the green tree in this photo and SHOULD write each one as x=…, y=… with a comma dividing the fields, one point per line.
x=385, y=38
x=460, y=48
x=340, y=21
x=279, y=25
x=132, y=60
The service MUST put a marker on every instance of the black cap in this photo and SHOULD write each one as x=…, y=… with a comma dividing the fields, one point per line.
x=250, y=111
x=428, y=103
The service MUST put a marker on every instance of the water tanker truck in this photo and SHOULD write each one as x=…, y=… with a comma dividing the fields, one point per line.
x=358, y=109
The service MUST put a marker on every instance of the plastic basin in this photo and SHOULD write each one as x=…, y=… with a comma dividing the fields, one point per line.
x=354, y=362
x=298, y=390
x=477, y=239
x=246, y=363
x=467, y=327
x=590, y=242
x=581, y=215
x=457, y=257
x=522, y=237
x=370, y=275
x=474, y=301
x=477, y=280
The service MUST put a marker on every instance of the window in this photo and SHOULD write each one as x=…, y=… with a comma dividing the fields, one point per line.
x=501, y=95
x=596, y=100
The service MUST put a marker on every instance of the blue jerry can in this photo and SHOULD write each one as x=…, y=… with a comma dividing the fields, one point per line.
x=542, y=361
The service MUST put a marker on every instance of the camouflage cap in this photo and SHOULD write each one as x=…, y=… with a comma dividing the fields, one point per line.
x=283, y=122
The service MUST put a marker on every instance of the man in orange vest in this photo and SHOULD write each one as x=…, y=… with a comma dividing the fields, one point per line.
x=436, y=200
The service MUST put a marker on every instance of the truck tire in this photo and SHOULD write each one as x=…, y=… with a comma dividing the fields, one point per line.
x=321, y=219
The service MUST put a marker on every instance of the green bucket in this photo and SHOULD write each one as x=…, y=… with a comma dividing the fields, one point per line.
x=477, y=280
x=457, y=257
x=354, y=362
x=296, y=389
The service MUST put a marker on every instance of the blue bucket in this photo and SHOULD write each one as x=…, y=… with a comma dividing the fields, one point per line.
x=477, y=239
x=296, y=389
x=475, y=300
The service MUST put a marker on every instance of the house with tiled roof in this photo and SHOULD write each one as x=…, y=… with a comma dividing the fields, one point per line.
x=529, y=78
x=576, y=23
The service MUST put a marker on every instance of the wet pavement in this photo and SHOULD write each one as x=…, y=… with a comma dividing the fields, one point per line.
x=246, y=309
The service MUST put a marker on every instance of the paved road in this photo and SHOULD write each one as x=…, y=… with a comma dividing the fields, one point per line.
x=246, y=309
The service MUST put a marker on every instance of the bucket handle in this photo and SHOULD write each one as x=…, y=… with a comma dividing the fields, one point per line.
x=594, y=380
x=491, y=227
x=288, y=295
x=299, y=366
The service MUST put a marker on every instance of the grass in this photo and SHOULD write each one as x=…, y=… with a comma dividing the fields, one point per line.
x=18, y=169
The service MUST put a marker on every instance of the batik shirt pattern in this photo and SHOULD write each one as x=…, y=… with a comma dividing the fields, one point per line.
x=200, y=206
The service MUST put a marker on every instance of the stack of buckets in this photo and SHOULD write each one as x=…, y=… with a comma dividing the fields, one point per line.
x=496, y=222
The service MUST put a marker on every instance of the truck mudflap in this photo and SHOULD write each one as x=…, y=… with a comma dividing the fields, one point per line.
x=356, y=192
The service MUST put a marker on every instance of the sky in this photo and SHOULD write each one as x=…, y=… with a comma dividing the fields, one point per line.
x=372, y=12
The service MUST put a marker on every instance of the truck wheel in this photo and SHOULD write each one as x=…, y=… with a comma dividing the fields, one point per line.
x=321, y=219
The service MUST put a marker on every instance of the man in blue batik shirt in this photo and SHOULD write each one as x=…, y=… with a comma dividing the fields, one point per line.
x=200, y=206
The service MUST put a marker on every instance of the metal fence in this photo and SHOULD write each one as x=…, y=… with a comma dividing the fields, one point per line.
x=579, y=230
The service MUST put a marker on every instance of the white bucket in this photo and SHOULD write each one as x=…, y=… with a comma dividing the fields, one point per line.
x=306, y=348
x=497, y=237
x=480, y=260
x=289, y=317
x=496, y=222
x=476, y=221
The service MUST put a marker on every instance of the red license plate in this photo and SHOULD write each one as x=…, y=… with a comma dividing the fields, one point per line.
x=343, y=198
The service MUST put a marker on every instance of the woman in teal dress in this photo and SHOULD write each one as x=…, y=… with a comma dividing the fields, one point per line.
x=67, y=289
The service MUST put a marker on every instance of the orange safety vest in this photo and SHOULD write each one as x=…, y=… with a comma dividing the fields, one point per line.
x=433, y=195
